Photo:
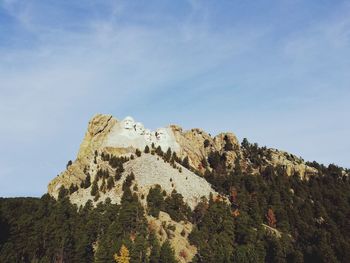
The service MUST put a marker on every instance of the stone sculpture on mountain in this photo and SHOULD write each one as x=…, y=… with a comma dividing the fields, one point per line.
x=129, y=133
x=128, y=123
x=139, y=128
x=148, y=136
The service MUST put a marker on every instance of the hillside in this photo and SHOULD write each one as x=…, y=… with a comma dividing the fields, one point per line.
x=180, y=196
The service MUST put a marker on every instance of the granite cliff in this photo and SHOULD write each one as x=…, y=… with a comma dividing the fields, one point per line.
x=105, y=134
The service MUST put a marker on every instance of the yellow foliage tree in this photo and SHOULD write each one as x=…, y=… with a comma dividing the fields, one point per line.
x=124, y=255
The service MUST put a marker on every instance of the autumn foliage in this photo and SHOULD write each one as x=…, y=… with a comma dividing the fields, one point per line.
x=124, y=255
x=271, y=218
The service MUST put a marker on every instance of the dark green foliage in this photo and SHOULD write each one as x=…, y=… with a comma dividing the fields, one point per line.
x=247, y=254
x=146, y=149
x=69, y=164
x=214, y=233
x=217, y=161
x=128, y=181
x=102, y=174
x=110, y=183
x=313, y=217
x=87, y=182
x=155, y=248
x=45, y=230
x=73, y=188
x=185, y=163
x=315, y=213
x=176, y=207
x=159, y=151
x=155, y=201
x=166, y=253
x=63, y=192
x=255, y=154
x=138, y=153
x=117, y=162
x=228, y=145
x=206, y=143
x=167, y=155
x=117, y=175
x=103, y=186
x=94, y=188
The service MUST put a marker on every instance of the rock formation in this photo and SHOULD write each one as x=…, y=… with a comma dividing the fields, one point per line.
x=120, y=138
x=106, y=136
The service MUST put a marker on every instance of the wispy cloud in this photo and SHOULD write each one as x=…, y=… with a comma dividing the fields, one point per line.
x=191, y=62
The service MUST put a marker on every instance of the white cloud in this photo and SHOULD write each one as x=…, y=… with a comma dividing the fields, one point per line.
x=52, y=85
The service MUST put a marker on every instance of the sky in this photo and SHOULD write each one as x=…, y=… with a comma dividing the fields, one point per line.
x=275, y=72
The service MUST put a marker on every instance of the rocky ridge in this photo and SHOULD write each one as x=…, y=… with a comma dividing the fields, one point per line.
x=120, y=138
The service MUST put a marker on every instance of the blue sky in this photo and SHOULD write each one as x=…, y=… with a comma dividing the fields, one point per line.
x=276, y=72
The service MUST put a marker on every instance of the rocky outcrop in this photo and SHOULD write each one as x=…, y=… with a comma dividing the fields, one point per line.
x=197, y=144
x=121, y=138
x=98, y=129
x=291, y=164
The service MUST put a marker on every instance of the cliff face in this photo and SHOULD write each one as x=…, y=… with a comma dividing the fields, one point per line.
x=105, y=134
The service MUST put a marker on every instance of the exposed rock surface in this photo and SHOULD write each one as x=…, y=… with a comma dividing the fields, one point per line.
x=150, y=170
x=106, y=134
x=291, y=163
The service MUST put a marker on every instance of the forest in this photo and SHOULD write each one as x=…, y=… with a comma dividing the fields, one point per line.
x=271, y=217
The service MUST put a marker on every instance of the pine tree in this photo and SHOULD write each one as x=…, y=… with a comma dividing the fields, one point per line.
x=139, y=249
x=155, y=201
x=228, y=144
x=167, y=155
x=159, y=151
x=146, y=149
x=155, y=250
x=63, y=192
x=87, y=181
x=124, y=255
x=110, y=183
x=185, y=162
x=167, y=254
x=94, y=188
x=138, y=153
x=69, y=163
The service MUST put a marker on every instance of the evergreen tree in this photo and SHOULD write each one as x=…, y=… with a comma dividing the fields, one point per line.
x=146, y=149
x=94, y=188
x=166, y=254
x=110, y=183
x=155, y=248
x=155, y=201
x=63, y=192
x=167, y=155
x=185, y=162
x=138, y=153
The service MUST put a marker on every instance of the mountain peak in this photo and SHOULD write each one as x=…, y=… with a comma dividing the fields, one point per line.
x=194, y=149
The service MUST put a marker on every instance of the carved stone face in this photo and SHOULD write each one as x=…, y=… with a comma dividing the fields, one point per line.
x=162, y=134
x=147, y=135
x=128, y=123
x=139, y=128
